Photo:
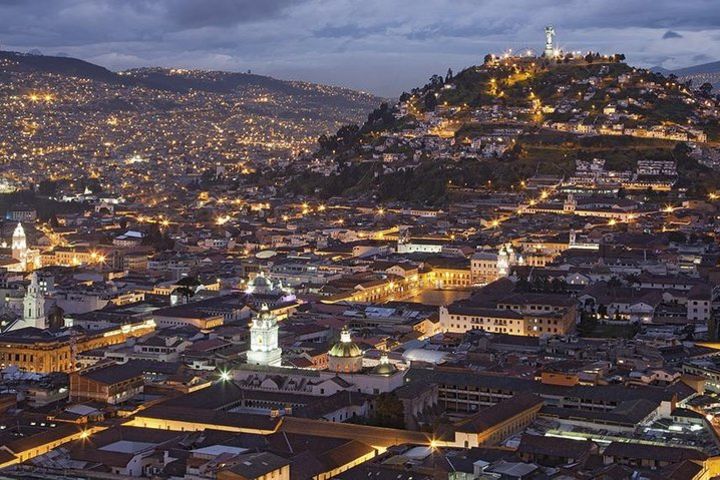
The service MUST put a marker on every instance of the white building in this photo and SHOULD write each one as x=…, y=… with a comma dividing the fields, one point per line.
x=34, y=305
x=33, y=314
x=264, y=349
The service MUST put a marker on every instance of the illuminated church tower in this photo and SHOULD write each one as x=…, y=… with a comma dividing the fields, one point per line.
x=34, y=305
x=19, y=246
x=264, y=349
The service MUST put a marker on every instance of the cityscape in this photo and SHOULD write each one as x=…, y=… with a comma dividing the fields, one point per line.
x=507, y=271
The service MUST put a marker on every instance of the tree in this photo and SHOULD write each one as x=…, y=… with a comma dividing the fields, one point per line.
x=430, y=101
x=449, y=75
x=705, y=89
x=187, y=287
x=48, y=188
x=677, y=237
x=588, y=323
x=712, y=328
x=488, y=58
x=522, y=285
x=389, y=411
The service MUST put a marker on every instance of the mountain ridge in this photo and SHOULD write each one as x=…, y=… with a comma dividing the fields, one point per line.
x=160, y=78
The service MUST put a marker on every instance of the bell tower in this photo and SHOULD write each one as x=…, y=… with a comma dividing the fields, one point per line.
x=264, y=349
x=19, y=246
x=34, y=305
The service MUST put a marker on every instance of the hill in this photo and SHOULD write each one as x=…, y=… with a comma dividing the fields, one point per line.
x=492, y=127
x=60, y=112
x=166, y=79
x=64, y=66
x=712, y=67
x=699, y=74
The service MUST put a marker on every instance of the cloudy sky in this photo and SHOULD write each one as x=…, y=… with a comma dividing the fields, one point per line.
x=382, y=46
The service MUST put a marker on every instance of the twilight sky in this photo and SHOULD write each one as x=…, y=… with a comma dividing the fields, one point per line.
x=382, y=46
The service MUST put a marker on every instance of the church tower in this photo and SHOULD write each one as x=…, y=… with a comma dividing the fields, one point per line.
x=34, y=305
x=264, y=349
x=570, y=204
x=503, y=262
x=19, y=246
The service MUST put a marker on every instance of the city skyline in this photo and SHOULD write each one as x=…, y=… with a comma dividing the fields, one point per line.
x=508, y=269
x=379, y=47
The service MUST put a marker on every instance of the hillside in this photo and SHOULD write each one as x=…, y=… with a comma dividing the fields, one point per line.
x=492, y=127
x=63, y=66
x=712, y=67
x=172, y=80
x=59, y=109
x=699, y=74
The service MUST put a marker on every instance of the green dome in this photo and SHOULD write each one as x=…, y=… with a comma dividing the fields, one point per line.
x=341, y=349
x=345, y=348
x=385, y=369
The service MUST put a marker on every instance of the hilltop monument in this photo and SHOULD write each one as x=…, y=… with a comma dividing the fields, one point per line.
x=549, y=41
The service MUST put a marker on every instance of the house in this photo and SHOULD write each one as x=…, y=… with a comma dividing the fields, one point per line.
x=493, y=424
x=256, y=466
x=108, y=383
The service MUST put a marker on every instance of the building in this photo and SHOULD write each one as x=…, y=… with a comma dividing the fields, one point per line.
x=345, y=356
x=34, y=305
x=486, y=267
x=19, y=246
x=33, y=312
x=43, y=351
x=256, y=466
x=471, y=391
x=21, y=213
x=264, y=349
x=107, y=383
x=526, y=315
x=191, y=314
x=493, y=424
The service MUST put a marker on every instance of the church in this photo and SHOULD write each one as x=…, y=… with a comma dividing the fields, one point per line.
x=24, y=258
x=33, y=311
x=345, y=371
x=264, y=349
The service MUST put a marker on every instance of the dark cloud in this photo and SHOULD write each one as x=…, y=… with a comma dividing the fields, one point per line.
x=195, y=14
x=380, y=45
x=351, y=30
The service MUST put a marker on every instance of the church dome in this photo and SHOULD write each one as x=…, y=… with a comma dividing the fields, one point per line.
x=345, y=348
x=260, y=281
x=345, y=356
x=385, y=368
